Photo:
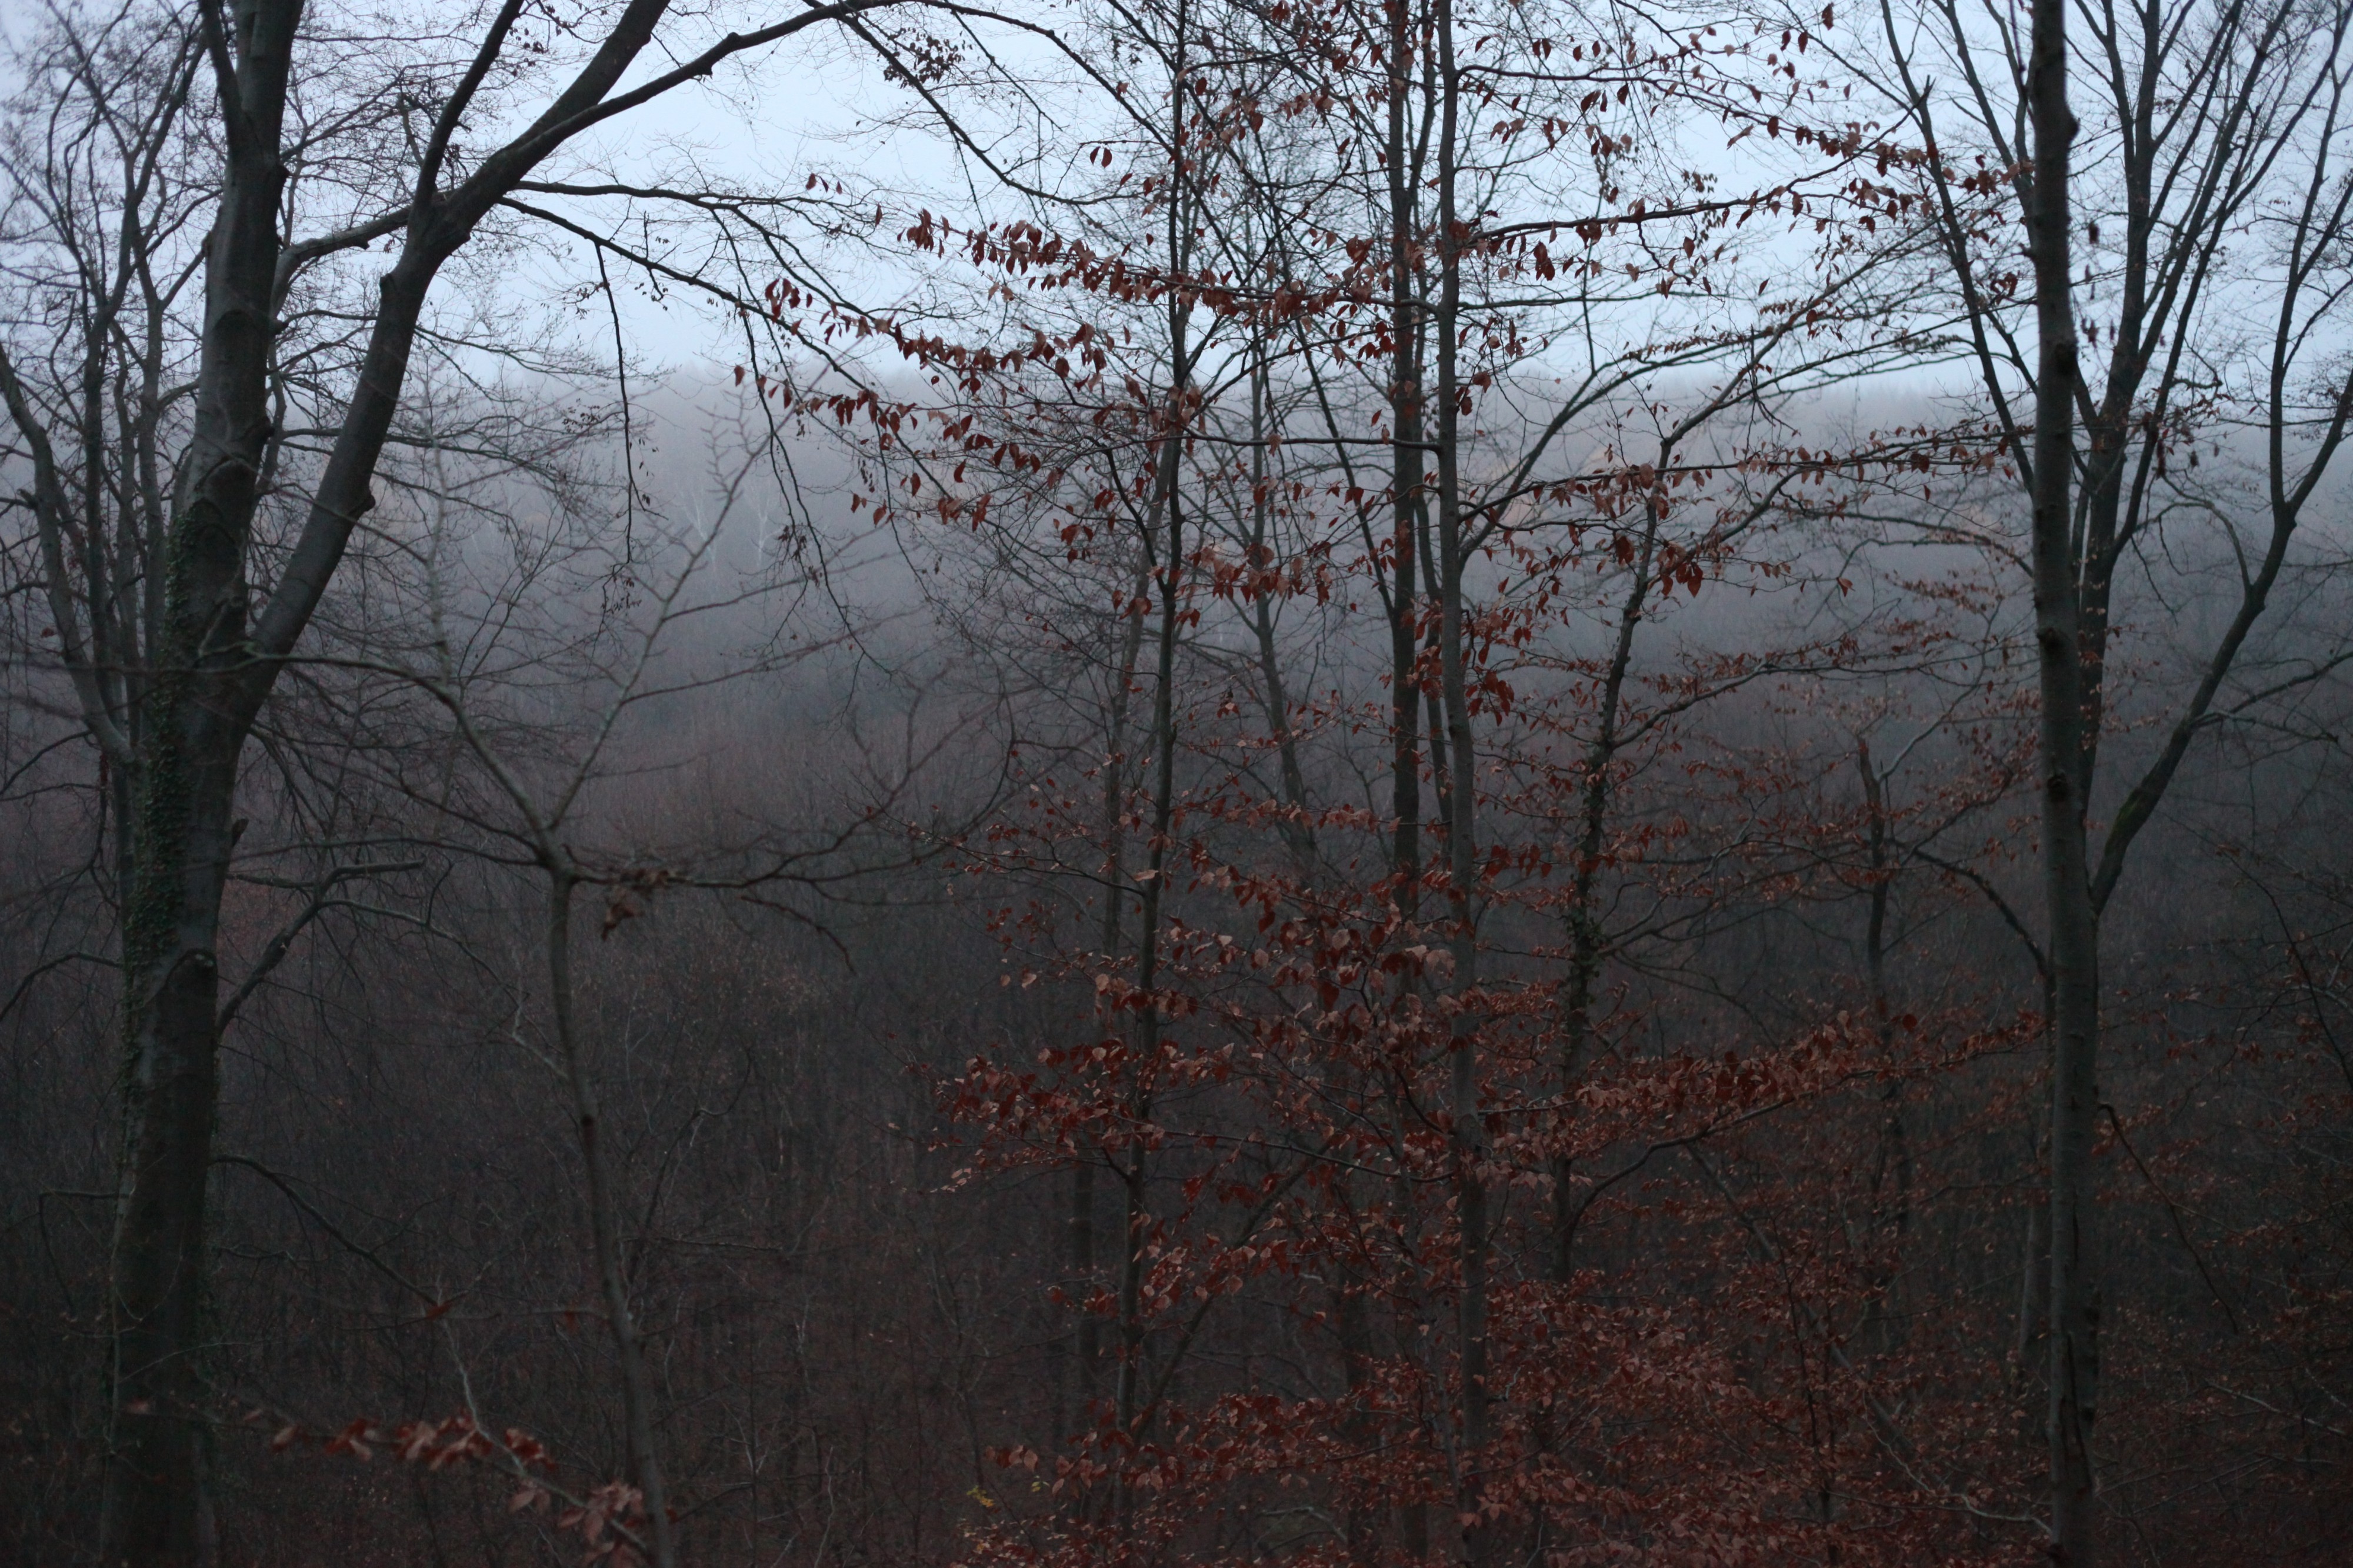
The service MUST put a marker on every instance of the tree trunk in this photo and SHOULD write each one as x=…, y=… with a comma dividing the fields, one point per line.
x=1406, y=470
x=2074, y=925
x=155, y=1509
x=1298, y=833
x=1469, y=1128
x=1168, y=490
x=604, y=1228
x=1148, y=964
x=1079, y=1229
x=1892, y=1167
x=1586, y=938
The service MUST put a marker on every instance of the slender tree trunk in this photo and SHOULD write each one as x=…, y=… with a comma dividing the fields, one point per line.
x=1412, y=1321
x=1080, y=1225
x=1085, y=1343
x=1171, y=576
x=1586, y=938
x=2033, y=1285
x=1136, y=1217
x=604, y=1226
x=1361, y=1524
x=2073, y=924
x=1891, y=1175
x=1434, y=699
x=1298, y=835
x=1406, y=470
x=1469, y=1127
x=1407, y=497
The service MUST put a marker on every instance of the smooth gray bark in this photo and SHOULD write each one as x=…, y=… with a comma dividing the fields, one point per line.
x=2066, y=885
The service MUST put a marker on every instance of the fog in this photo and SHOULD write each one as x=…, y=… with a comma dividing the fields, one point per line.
x=1079, y=786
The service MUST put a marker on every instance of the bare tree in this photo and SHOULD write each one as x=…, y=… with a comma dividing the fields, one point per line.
x=229, y=606
x=2217, y=174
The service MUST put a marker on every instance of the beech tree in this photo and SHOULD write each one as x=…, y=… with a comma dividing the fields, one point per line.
x=2208, y=141
x=226, y=614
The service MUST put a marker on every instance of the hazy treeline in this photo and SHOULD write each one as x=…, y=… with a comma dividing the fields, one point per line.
x=1357, y=784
